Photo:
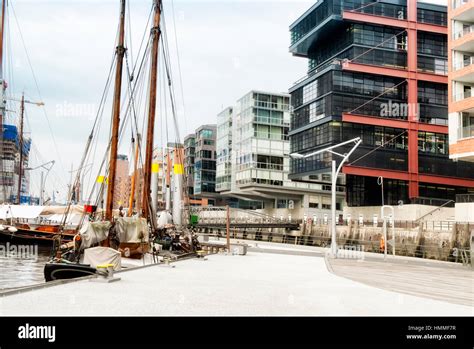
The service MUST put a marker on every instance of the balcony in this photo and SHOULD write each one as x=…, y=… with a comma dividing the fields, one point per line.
x=463, y=10
x=463, y=71
x=463, y=40
x=464, y=63
x=458, y=3
x=463, y=95
x=466, y=132
x=271, y=105
x=271, y=121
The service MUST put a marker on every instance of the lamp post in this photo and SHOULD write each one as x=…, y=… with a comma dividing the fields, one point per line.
x=335, y=172
x=43, y=178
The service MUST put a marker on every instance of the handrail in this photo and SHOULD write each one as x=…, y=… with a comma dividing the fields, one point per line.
x=433, y=211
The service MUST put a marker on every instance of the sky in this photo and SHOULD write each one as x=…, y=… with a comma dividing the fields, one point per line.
x=226, y=48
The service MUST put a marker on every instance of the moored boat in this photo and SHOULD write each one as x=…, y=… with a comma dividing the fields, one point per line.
x=63, y=270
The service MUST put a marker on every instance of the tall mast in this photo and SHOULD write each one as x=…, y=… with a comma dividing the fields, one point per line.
x=134, y=177
x=20, y=136
x=120, y=51
x=155, y=32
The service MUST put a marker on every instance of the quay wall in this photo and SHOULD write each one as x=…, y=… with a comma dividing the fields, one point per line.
x=431, y=240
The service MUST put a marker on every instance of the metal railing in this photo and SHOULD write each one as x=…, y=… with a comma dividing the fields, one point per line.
x=263, y=166
x=463, y=95
x=218, y=215
x=335, y=62
x=464, y=63
x=464, y=198
x=464, y=31
x=271, y=105
x=466, y=132
x=404, y=246
x=447, y=203
x=458, y=3
x=271, y=121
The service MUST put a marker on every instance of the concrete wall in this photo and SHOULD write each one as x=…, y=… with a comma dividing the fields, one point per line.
x=464, y=212
x=299, y=213
x=403, y=213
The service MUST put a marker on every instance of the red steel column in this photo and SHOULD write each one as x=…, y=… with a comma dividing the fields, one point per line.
x=412, y=54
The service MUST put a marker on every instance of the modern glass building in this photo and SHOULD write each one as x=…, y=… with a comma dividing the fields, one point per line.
x=253, y=160
x=377, y=70
x=200, y=166
x=189, y=160
x=205, y=163
x=224, y=148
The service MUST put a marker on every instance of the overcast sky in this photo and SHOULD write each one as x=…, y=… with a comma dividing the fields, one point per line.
x=226, y=48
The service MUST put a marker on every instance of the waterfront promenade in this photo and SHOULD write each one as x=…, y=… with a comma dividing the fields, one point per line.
x=269, y=280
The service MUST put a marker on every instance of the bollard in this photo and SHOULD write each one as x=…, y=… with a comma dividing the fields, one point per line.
x=106, y=274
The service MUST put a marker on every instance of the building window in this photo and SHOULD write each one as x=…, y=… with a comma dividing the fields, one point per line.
x=313, y=202
x=206, y=134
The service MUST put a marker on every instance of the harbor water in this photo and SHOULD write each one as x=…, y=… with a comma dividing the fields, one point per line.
x=22, y=265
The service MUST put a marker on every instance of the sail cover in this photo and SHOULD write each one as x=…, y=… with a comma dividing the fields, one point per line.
x=102, y=255
x=132, y=229
x=93, y=233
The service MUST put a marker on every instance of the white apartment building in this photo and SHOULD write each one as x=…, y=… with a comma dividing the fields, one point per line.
x=253, y=160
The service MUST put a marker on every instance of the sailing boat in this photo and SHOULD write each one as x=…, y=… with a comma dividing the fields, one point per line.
x=20, y=221
x=114, y=233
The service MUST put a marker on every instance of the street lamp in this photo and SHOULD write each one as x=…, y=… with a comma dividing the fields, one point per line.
x=335, y=172
x=43, y=180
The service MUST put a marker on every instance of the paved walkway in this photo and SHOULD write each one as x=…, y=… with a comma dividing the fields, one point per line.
x=442, y=281
x=256, y=284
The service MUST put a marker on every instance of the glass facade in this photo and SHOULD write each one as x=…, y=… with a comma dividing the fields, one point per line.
x=224, y=150
x=204, y=184
x=330, y=91
x=189, y=160
x=365, y=191
x=260, y=140
x=323, y=10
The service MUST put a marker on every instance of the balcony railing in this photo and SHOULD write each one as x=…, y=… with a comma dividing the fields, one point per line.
x=337, y=7
x=466, y=132
x=464, y=198
x=375, y=8
x=271, y=105
x=271, y=121
x=463, y=95
x=263, y=166
x=465, y=63
x=458, y=3
x=335, y=62
x=465, y=31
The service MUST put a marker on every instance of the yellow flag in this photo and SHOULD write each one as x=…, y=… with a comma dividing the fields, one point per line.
x=155, y=168
x=178, y=169
x=102, y=179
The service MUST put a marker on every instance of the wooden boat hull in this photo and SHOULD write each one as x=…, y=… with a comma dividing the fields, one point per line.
x=134, y=250
x=33, y=236
x=62, y=271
